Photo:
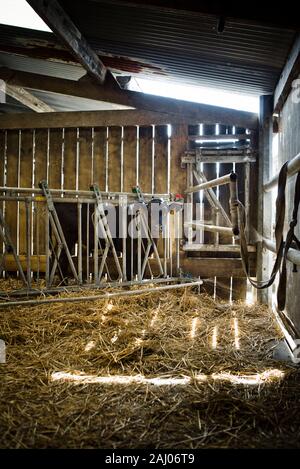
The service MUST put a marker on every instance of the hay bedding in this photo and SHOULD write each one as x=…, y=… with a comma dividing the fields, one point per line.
x=146, y=337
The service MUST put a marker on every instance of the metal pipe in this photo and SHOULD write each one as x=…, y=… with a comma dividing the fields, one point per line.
x=189, y=174
x=212, y=198
x=139, y=246
x=170, y=242
x=211, y=228
x=37, y=234
x=234, y=203
x=292, y=168
x=96, y=241
x=79, y=223
x=28, y=242
x=178, y=219
x=293, y=255
x=79, y=193
x=88, y=243
x=123, y=229
x=99, y=297
x=206, y=185
x=76, y=288
x=47, y=234
x=247, y=198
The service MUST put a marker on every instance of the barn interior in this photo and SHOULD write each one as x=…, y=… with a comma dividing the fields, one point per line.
x=117, y=331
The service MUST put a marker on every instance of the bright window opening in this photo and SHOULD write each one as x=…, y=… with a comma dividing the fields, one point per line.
x=199, y=94
x=19, y=13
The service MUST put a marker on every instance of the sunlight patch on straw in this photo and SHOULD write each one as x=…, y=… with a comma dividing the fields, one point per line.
x=118, y=379
x=154, y=317
x=214, y=341
x=194, y=328
x=91, y=344
x=255, y=379
x=236, y=333
x=268, y=376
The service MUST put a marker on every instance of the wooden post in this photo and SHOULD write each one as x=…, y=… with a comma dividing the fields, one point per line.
x=264, y=199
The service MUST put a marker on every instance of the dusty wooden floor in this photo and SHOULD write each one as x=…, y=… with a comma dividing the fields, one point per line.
x=168, y=370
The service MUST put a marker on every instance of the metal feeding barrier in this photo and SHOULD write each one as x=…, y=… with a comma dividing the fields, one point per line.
x=58, y=256
x=230, y=179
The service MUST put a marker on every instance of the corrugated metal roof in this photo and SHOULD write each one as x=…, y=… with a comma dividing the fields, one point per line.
x=177, y=46
x=185, y=46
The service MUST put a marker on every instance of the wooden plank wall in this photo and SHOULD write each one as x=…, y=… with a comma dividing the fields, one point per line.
x=289, y=146
x=117, y=158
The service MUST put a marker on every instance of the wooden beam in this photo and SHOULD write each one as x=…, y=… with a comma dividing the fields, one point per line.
x=216, y=267
x=37, y=263
x=216, y=248
x=205, y=267
x=215, y=138
x=25, y=97
x=290, y=71
x=89, y=119
x=60, y=23
x=192, y=112
x=217, y=157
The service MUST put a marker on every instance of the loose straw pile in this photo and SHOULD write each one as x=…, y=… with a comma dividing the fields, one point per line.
x=171, y=369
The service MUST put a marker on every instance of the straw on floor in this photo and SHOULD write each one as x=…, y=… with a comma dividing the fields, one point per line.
x=164, y=370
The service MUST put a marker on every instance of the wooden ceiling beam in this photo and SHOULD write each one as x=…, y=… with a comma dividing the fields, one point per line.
x=25, y=97
x=192, y=112
x=60, y=23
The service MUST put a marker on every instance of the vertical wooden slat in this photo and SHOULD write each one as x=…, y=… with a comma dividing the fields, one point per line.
x=114, y=158
x=209, y=170
x=223, y=287
x=55, y=158
x=145, y=158
x=161, y=159
x=239, y=285
x=129, y=158
x=208, y=286
x=179, y=138
x=2, y=159
x=85, y=160
x=26, y=177
x=70, y=153
x=2, y=152
x=41, y=137
x=12, y=181
x=239, y=288
x=99, y=156
x=2, y=162
x=160, y=171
